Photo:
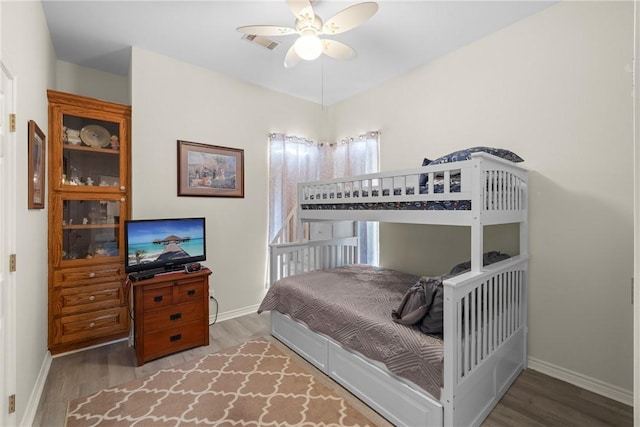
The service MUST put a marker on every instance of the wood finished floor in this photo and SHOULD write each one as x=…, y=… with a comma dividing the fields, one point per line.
x=534, y=400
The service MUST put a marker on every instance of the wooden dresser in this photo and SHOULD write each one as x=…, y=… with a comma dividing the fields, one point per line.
x=171, y=313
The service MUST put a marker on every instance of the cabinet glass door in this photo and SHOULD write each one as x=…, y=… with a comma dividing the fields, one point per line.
x=90, y=229
x=90, y=152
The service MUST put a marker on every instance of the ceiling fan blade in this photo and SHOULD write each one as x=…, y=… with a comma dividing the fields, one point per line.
x=350, y=18
x=291, y=59
x=301, y=9
x=266, y=30
x=337, y=50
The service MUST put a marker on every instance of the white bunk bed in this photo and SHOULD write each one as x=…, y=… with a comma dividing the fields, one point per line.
x=484, y=349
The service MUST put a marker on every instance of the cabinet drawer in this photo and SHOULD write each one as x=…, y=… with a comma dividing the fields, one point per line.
x=95, y=274
x=157, y=297
x=174, y=339
x=80, y=327
x=191, y=291
x=73, y=300
x=170, y=317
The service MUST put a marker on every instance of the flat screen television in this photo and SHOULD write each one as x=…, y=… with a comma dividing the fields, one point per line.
x=163, y=244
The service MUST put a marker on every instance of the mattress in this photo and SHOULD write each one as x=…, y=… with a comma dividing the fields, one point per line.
x=352, y=201
x=353, y=306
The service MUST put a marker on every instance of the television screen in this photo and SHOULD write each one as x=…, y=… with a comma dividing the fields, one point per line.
x=166, y=244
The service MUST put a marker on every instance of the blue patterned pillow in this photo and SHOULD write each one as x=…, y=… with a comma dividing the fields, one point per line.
x=466, y=155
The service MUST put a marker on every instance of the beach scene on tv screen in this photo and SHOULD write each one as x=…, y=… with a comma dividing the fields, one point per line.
x=164, y=241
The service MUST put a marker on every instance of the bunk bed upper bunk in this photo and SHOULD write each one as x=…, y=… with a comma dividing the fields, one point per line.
x=483, y=189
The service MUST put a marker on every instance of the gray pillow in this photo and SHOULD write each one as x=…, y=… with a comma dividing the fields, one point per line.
x=487, y=259
x=433, y=321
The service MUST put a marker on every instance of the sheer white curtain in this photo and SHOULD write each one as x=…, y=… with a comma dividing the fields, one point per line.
x=355, y=156
x=292, y=159
x=295, y=159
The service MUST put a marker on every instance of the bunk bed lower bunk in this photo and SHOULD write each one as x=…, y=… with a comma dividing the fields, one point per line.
x=452, y=380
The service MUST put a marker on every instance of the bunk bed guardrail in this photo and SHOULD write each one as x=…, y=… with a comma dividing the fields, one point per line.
x=288, y=259
x=487, y=313
x=484, y=185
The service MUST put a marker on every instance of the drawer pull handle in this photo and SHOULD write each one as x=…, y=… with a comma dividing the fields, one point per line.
x=191, y=292
x=175, y=316
x=92, y=275
x=92, y=298
x=157, y=298
x=91, y=325
x=177, y=337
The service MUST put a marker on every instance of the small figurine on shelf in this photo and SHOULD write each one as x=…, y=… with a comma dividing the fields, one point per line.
x=89, y=181
x=73, y=136
x=115, y=142
x=85, y=220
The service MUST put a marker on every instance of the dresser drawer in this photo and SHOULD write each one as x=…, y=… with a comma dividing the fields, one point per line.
x=95, y=274
x=78, y=299
x=170, y=317
x=157, y=297
x=191, y=291
x=85, y=326
x=174, y=339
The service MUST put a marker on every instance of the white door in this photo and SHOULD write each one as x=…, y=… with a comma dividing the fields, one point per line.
x=7, y=247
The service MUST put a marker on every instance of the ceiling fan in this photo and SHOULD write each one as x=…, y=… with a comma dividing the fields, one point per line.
x=309, y=26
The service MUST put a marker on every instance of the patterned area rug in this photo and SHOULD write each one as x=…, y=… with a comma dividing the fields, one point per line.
x=253, y=384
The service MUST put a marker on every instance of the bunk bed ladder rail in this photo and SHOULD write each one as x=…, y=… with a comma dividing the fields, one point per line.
x=487, y=315
x=288, y=259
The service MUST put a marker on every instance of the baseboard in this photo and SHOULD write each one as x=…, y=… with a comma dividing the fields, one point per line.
x=596, y=386
x=34, y=400
x=227, y=315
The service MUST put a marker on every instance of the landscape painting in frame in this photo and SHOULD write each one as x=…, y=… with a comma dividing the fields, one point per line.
x=210, y=170
x=36, y=153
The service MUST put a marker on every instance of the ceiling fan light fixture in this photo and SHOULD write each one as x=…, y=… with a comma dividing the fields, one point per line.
x=308, y=47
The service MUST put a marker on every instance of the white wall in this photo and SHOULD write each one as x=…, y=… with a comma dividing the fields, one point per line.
x=172, y=100
x=28, y=52
x=636, y=269
x=554, y=89
x=86, y=81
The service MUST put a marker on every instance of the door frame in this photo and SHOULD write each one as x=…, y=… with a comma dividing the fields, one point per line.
x=8, y=180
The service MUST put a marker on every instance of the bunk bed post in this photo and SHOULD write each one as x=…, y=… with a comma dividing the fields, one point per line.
x=298, y=219
x=450, y=357
x=477, y=230
x=524, y=252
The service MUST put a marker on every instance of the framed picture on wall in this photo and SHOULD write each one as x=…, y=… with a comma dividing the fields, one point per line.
x=210, y=170
x=36, y=169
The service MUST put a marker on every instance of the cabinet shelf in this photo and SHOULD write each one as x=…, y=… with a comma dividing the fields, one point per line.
x=89, y=226
x=91, y=149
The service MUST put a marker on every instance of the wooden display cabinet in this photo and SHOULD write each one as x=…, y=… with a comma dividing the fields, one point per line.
x=89, y=200
x=171, y=313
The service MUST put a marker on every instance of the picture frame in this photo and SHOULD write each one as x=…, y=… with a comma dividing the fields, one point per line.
x=210, y=170
x=36, y=170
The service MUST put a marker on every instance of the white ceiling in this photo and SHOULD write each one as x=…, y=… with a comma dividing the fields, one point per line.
x=400, y=37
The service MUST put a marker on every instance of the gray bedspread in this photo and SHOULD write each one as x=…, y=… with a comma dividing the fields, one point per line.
x=353, y=306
